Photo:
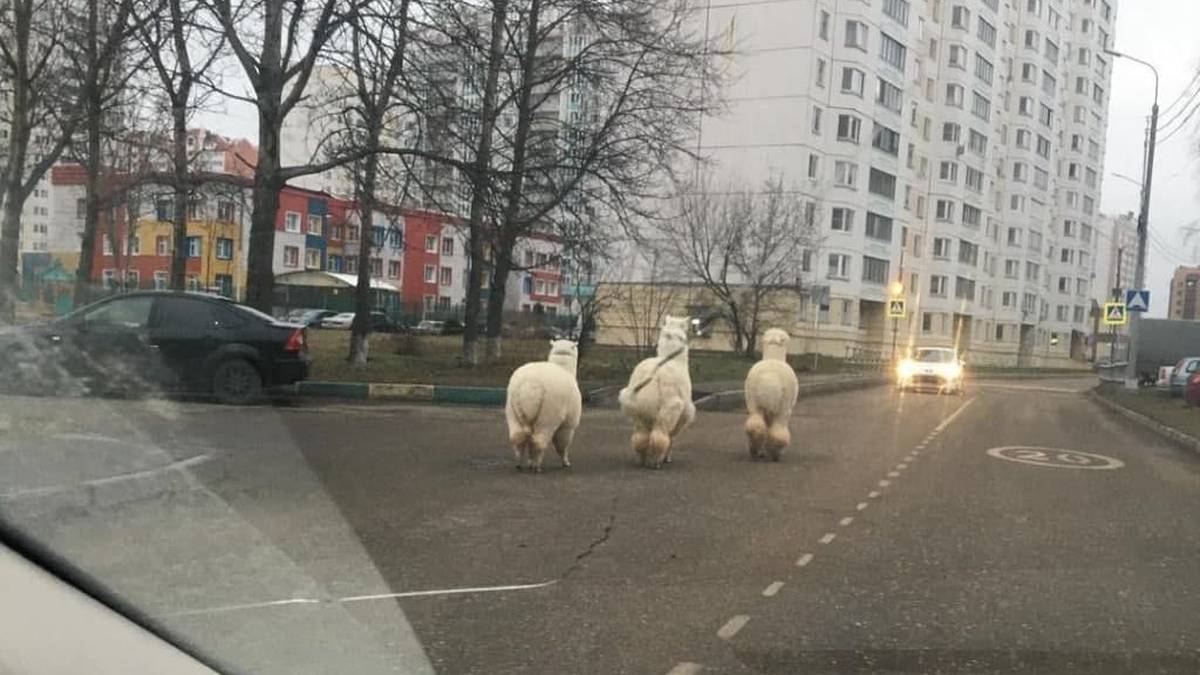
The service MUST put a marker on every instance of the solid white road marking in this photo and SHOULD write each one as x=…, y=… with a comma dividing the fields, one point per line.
x=772, y=589
x=846, y=521
x=872, y=494
x=685, y=668
x=829, y=536
x=804, y=560
x=1020, y=387
x=884, y=483
x=732, y=626
x=860, y=506
x=946, y=422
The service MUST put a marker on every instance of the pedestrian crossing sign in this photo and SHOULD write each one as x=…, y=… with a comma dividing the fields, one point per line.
x=1115, y=314
x=896, y=309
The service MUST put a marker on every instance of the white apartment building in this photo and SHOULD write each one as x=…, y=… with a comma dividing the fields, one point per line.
x=954, y=146
x=1116, y=254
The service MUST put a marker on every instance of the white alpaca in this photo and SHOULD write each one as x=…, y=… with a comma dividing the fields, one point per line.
x=659, y=396
x=771, y=389
x=543, y=406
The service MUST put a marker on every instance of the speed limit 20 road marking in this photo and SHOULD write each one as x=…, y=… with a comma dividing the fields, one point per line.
x=1057, y=458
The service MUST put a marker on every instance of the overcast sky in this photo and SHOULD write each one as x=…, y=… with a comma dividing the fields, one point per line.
x=1163, y=32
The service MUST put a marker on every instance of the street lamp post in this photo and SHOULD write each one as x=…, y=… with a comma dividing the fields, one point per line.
x=1139, y=274
x=897, y=292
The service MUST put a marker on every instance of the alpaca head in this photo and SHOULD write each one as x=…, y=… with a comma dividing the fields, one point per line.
x=673, y=337
x=775, y=344
x=564, y=353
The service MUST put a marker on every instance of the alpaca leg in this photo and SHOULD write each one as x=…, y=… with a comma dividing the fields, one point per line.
x=671, y=420
x=641, y=443
x=537, y=450
x=778, y=437
x=562, y=443
x=660, y=444
x=756, y=431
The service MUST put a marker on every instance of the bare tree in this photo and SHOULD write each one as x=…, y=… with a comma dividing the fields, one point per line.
x=30, y=68
x=182, y=51
x=746, y=248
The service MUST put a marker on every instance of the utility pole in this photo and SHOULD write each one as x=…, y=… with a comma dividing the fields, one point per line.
x=1139, y=274
x=1112, y=345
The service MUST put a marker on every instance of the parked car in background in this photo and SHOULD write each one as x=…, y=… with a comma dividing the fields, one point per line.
x=428, y=327
x=380, y=323
x=1181, y=372
x=152, y=341
x=1191, y=390
x=310, y=318
x=340, y=321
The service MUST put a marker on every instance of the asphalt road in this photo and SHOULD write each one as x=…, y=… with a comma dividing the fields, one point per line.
x=400, y=539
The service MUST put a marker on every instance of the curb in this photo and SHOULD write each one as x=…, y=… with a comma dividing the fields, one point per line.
x=1184, y=440
x=985, y=375
x=735, y=399
x=383, y=391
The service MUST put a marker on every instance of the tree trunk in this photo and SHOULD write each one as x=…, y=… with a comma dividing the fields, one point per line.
x=509, y=226
x=13, y=195
x=94, y=119
x=10, y=233
x=360, y=329
x=260, y=275
x=480, y=183
x=178, y=278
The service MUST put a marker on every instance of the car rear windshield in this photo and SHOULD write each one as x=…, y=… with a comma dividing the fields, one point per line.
x=250, y=311
x=934, y=355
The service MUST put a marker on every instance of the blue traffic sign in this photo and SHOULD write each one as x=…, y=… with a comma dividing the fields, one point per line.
x=1137, y=301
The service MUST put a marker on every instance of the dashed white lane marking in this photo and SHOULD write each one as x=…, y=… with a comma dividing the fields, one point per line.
x=884, y=483
x=732, y=626
x=846, y=521
x=829, y=536
x=893, y=474
x=872, y=494
x=920, y=447
x=901, y=466
x=685, y=668
x=860, y=506
x=772, y=589
x=804, y=560
x=946, y=422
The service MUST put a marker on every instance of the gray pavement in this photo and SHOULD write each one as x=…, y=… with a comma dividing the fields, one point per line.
x=399, y=538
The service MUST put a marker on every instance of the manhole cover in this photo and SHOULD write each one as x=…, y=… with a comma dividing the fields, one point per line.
x=1057, y=458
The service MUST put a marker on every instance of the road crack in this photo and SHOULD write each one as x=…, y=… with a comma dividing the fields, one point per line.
x=596, y=543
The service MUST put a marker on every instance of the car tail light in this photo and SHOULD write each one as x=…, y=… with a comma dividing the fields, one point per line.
x=297, y=342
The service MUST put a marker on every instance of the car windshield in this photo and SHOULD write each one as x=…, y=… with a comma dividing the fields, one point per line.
x=567, y=337
x=934, y=356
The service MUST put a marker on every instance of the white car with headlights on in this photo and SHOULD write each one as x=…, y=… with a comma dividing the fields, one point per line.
x=937, y=368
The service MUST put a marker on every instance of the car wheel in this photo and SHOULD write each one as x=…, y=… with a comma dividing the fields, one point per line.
x=237, y=382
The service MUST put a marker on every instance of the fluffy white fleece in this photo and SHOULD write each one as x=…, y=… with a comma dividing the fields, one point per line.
x=543, y=406
x=771, y=389
x=659, y=396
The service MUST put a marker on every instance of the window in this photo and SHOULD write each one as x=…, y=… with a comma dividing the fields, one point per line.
x=1081, y=85
x=1020, y=172
x=926, y=322
x=968, y=253
x=948, y=171
x=839, y=266
x=160, y=280
x=1085, y=233
x=892, y=52
x=945, y=209
x=1043, y=146
x=974, y=180
x=879, y=227
x=376, y=267
x=430, y=274
x=954, y=95
x=816, y=120
x=984, y=70
x=845, y=174
x=224, y=249
x=977, y=143
x=1029, y=73
x=334, y=263
x=193, y=247
x=447, y=276
x=971, y=215
x=941, y=247
x=958, y=57
x=937, y=285
x=1073, y=171
x=1032, y=271
x=885, y=139
x=856, y=34
x=889, y=96
x=882, y=183
x=1064, y=285
x=316, y=225
x=1049, y=84
x=1034, y=7
x=852, y=81
x=897, y=10
x=960, y=17
x=814, y=166
x=1023, y=138
x=821, y=67
x=312, y=258
x=1025, y=106
x=1031, y=39
x=1051, y=51
x=951, y=132
x=823, y=26
x=352, y=233
x=964, y=288
x=986, y=33
x=842, y=219
x=1098, y=94
x=291, y=256
x=351, y=265
x=1089, y=205
x=981, y=107
x=917, y=244
x=291, y=221
x=849, y=128
x=1041, y=178
x=875, y=270
x=162, y=245
x=1014, y=236
x=1045, y=114
x=1012, y=269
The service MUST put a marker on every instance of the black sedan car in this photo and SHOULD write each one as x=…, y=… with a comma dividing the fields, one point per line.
x=147, y=342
